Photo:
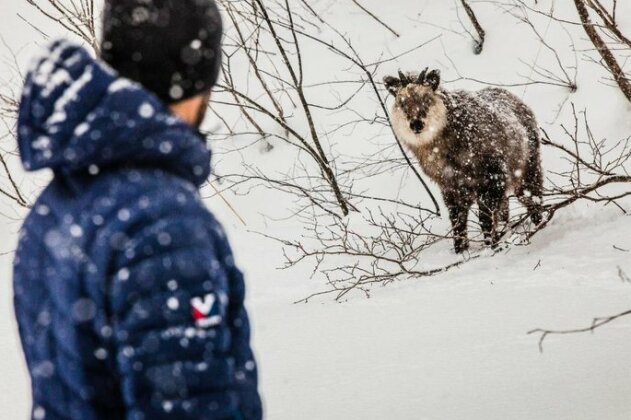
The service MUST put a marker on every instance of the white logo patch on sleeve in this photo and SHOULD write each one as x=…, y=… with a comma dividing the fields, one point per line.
x=206, y=311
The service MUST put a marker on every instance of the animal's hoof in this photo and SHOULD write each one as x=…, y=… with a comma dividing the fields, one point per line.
x=461, y=248
x=492, y=241
x=536, y=218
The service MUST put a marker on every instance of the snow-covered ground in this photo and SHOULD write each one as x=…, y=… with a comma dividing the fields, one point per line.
x=453, y=346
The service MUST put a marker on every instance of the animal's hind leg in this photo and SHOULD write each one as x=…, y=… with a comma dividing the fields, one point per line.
x=530, y=193
x=490, y=213
x=493, y=206
x=504, y=211
x=532, y=204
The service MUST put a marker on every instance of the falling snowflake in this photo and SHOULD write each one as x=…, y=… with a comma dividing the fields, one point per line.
x=146, y=110
x=173, y=303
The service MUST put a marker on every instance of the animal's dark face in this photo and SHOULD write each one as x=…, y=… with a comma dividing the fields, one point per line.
x=415, y=102
x=414, y=96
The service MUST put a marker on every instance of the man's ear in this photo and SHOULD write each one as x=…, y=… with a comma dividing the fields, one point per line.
x=392, y=84
x=433, y=79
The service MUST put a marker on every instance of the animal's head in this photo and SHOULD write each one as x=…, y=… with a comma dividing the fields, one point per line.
x=416, y=98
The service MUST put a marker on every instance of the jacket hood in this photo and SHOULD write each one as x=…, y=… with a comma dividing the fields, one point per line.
x=77, y=114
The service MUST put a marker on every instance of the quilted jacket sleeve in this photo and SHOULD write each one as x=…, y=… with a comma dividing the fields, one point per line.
x=179, y=324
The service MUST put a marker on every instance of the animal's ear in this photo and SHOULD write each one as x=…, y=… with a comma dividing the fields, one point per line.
x=392, y=84
x=433, y=79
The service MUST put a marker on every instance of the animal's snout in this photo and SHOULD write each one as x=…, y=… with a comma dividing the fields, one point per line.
x=417, y=126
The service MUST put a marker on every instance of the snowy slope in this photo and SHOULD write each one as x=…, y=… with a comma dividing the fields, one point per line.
x=449, y=347
x=456, y=346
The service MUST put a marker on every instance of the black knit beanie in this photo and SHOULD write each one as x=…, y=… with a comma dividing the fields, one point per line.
x=171, y=47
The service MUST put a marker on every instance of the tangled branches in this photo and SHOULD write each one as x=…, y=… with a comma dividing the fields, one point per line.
x=594, y=166
x=275, y=95
x=381, y=247
x=280, y=103
x=605, y=52
x=375, y=249
x=78, y=17
x=254, y=25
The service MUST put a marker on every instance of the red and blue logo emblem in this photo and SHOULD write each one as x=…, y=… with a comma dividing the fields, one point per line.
x=207, y=311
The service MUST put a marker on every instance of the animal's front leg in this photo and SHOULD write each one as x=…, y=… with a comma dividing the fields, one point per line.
x=459, y=213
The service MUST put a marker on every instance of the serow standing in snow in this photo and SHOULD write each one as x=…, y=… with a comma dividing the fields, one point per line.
x=128, y=300
x=477, y=146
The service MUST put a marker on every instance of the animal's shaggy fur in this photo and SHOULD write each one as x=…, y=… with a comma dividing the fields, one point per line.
x=479, y=147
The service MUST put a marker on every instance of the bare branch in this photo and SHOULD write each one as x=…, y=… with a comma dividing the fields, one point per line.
x=372, y=15
x=479, y=43
x=606, y=54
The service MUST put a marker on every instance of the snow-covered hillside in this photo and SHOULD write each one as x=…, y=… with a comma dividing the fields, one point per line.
x=453, y=346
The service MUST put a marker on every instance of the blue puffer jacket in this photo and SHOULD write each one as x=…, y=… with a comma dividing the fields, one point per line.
x=128, y=300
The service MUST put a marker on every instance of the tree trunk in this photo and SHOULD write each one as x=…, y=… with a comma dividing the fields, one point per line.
x=603, y=50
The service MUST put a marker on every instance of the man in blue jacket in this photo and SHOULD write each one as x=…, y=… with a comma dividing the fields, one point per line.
x=126, y=292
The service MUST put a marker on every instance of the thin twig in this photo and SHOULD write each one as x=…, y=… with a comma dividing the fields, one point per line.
x=372, y=15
